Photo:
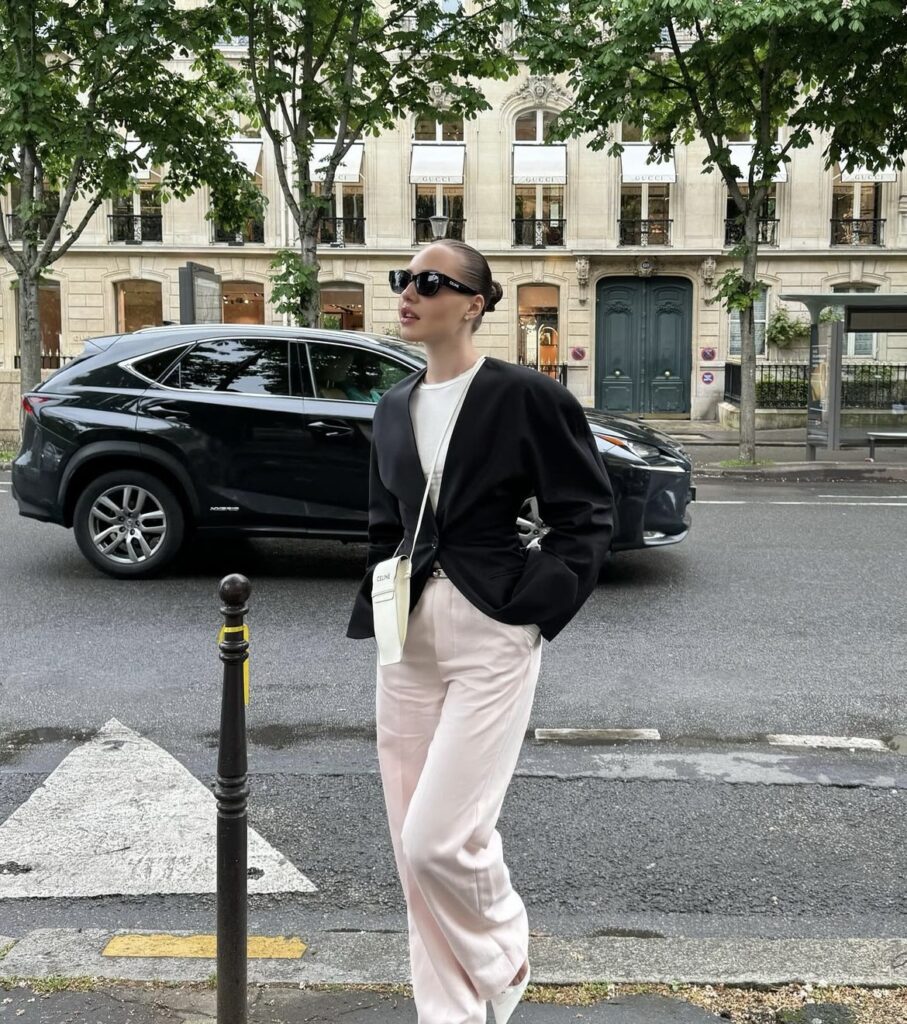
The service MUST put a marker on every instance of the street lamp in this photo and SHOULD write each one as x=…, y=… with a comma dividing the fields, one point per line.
x=438, y=225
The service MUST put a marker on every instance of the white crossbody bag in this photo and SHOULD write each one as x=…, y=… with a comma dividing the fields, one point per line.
x=390, y=580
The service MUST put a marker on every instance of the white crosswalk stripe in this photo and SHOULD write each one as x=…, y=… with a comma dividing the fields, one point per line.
x=121, y=816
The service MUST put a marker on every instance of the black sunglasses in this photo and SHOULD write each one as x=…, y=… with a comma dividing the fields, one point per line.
x=427, y=282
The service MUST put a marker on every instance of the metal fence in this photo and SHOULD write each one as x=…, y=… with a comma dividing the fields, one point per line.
x=786, y=385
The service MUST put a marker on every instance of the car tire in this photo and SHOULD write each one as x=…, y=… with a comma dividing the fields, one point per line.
x=128, y=523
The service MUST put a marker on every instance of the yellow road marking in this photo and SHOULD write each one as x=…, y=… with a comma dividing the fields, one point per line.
x=260, y=947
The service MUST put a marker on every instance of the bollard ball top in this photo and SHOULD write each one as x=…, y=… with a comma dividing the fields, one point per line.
x=234, y=589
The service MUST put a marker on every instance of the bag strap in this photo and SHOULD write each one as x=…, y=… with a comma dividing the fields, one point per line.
x=434, y=461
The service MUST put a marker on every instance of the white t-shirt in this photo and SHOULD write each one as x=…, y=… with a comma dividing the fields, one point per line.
x=429, y=406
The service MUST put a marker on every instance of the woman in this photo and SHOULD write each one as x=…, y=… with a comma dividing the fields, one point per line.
x=451, y=715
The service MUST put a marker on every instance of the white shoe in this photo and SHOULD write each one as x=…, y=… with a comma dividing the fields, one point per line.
x=505, y=1003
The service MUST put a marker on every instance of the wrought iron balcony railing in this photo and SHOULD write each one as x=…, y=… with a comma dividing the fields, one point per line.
x=539, y=233
x=14, y=226
x=253, y=231
x=422, y=230
x=645, y=232
x=341, y=231
x=767, y=231
x=862, y=231
x=135, y=228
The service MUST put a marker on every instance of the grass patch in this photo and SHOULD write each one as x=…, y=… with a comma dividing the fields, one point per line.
x=52, y=983
x=743, y=464
x=777, y=1004
x=5, y=949
x=7, y=454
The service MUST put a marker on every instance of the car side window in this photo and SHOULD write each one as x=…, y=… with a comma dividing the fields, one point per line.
x=154, y=365
x=351, y=373
x=258, y=366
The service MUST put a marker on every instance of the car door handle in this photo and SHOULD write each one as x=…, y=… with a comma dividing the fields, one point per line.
x=167, y=412
x=329, y=429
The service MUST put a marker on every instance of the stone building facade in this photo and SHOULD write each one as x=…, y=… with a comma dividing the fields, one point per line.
x=607, y=264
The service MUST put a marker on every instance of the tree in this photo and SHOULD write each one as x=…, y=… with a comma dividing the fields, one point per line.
x=323, y=70
x=90, y=93
x=716, y=69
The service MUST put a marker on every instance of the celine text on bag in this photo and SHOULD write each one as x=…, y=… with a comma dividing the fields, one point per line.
x=390, y=580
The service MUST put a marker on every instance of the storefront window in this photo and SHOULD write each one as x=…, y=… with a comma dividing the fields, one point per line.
x=538, y=334
x=342, y=305
x=139, y=304
x=244, y=302
x=50, y=322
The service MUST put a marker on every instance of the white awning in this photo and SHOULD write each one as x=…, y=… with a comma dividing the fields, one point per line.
x=860, y=173
x=437, y=163
x=633, y=166
x=350, y=165
x=247, y=152
x=742, y=155
x=539, y=165
x=141, y=173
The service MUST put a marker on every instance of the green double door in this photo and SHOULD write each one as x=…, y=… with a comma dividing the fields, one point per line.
x=643, y=338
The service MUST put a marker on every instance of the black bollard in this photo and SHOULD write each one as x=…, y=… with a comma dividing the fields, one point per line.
x=232, y=793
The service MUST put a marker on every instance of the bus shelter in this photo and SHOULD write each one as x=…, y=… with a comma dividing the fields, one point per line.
x=863, y=311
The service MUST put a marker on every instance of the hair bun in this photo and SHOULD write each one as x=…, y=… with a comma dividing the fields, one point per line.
x=496, y=293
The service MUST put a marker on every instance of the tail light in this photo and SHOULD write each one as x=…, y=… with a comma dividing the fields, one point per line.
x=32, y=403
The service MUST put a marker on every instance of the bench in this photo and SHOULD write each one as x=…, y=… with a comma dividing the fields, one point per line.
x=884, y=437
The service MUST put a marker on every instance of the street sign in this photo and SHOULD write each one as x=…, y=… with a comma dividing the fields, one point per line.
x=888, y=319
x=201, y=295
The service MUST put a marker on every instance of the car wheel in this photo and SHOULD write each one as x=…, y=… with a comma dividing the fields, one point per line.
x=128, y=523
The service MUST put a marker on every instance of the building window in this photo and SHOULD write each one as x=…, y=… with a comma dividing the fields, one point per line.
x=431, y=200
x=768, y=222
x=244, y=302
x=50, y=323
x=856, y=212
x=759, y=309
x=645, y=214
x=248, y=151
x=534, y=126
x=51, y=207
x=139, y=304
x=539, y=182
x=859, y=343
x=137, y=217
x=428, y=129
x=342, y=304
x=344, y=223
x=538, y=334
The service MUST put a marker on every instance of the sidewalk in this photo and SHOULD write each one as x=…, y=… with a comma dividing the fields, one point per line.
x=708, y=446
x=53, y=976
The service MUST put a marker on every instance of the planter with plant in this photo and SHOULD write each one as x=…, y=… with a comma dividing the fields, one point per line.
x=784, y=330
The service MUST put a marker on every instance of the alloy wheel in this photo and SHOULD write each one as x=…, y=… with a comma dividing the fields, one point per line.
x=127, y=524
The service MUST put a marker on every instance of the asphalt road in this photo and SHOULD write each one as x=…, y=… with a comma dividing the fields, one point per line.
x=783, y=612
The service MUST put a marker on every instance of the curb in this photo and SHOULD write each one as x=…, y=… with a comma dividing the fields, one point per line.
x=349, y=958
x=794, y=472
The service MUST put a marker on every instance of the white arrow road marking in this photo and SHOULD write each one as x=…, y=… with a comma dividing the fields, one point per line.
x=121, y=816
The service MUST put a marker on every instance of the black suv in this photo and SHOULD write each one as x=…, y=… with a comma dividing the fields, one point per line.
x=146, y=437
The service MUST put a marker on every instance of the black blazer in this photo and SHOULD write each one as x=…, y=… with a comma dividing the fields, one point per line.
x=518, y=432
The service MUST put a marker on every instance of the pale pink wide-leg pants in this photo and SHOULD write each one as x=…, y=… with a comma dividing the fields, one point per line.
x=450, y=719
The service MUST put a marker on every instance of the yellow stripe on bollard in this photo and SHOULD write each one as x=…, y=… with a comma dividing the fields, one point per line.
x=259, y=947
x=245, y=665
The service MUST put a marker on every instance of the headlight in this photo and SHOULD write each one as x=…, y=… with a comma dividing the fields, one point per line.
x=644, y=451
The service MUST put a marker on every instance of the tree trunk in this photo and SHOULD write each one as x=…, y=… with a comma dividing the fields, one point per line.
x=748, y=344
x=311, y=312
x=29, y=333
